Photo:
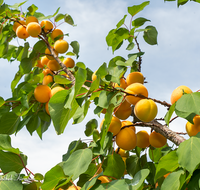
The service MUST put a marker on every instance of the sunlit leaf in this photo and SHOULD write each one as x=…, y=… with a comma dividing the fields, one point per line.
x=137, y=8
x=59, y=17
x=32, y=9
x=61, y=79
x=169, y=114
x=121, y=22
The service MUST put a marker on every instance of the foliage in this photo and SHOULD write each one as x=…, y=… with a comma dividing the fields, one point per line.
x=142, y=168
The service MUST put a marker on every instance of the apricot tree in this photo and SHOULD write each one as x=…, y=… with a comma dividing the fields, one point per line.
x=50, y=87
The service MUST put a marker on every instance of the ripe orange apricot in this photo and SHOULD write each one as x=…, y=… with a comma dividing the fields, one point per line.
x=94, y=76
x=16, y=24
x=69, y=62
x=56, y=89
x=31, y=19
x=47, y=108
x=46, y=25
x=178, y=92
x=53, y=65
x=21, y=32
x=44, y=60
x=74, y=188
x=157, y=140
x=142, y=139
x=123, y=84
x=47, y=79
x=47, y=71
x=126, y=123
x=39, y=64
x=33, y=29
x=135, y=77
x=103, y=179
x=61, y=46
x=49, y=55
x=126, y=139
x=122, y=152
x=57, y=33
x=115, y=125
x=137, y=89
x=193, y=129
x=42, y=93
x=145, y=110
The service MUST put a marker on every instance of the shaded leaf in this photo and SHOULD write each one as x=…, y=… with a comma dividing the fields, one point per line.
x=150, y=36
x=139, y=21
x=169, y=114
x=75, y=45
x=90, y=126
x=68, y=19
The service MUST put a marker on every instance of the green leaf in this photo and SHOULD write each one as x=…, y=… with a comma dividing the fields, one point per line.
x=9, y=122
x=155, y=154
x=56, y=12
x=32, y=9
x=59, y=17
x=150, y=36
x=68, y=19
x=130, y=46
x=77, y=163
x=33, y=123
x=52, y=177
x=121, y=22
x=5, y=144
x=166, y=164
x=132, y=165
x=38, y=176
x=189, y=153
x=80, y=79
x=172, y=181
x=90, y=126
x=182, y=2
x=139, y=178
x=113, y=166
x=26, y=65
x=17, y=5
x=16, y=79
x=169, y=114
x=12, y=162
x=139, y=21
x=194, y=181
x=76, y=47
x=61, y=79
x=188, y=106
x=137, y=8
x=1, y=101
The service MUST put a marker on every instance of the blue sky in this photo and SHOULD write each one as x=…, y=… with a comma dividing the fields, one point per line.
x=171, y=63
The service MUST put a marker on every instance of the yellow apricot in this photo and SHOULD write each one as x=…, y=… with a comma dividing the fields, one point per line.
x=46, y=25
x=193, y=129
x=44, y=60
x=57, y=33
x=21, y=32
x=127, y=123
x=122, y=152
x=142, y=139
x=69, y=62
x=47, y=108
x=16, y=24
x=47, y=79
x=31, y=19
x=53, y=65
x=47, y=71
x=42, y=93
x=157, y=140
x=145, y=110
x=49, y=55
x=39, y=64
x=61, y=46
x=74, y=188
x=56, y=89
x=123, y=84
x=135, y=77
x=126, y=139
x=115, y=125
x=33, y=29
x=137, y=89
x=94, y=76
x=178, y=92
x=103, y=179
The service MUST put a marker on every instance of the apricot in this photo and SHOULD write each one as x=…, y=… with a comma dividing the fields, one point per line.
x=42, y=93
x=61, y=46
x=135, y=77
x=47, y=79
x=56, y=89
x=74, y=188
x=53, y=65
x=46, y=25
x=47, y=108
x=145, y=110
x=21, y=32
x=31, y=19
x=57, y=33
x=33, y=29
x=69, y=62
x=19, y=23
x=137, y=89
x=39, y=64
x=157, y=140
x=126, y=123
x=142, y=139
x=94, y=76
x=123, y=84
x=178, y=92
x=126, y=139
x=44, y=60
x=115, y=125
x=193, y=129
x=47, y=71
x=49, y=55
x=122, y=152
x=103, y=179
